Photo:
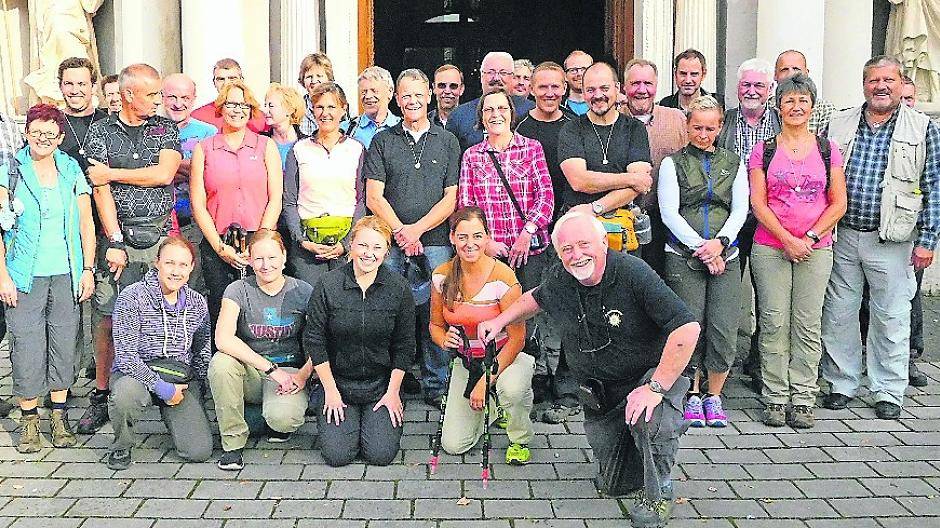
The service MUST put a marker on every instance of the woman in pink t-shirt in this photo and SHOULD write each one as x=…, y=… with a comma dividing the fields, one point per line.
x=797, y=203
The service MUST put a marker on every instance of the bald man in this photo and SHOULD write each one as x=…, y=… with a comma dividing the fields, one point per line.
x=496, y=71
x=791, y=62
x=134, y=155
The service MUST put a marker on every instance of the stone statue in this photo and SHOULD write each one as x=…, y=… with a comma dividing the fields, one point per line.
x=59, y=29
x=914, y=38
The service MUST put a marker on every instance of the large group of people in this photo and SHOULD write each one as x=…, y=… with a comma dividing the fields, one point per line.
x=285, y=254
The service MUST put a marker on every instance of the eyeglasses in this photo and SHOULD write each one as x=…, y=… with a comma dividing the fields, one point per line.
x=576, y=69
x=585, y=334
x=443, y=86
x=227, y=79
x=48, y=136
x=756, y=86
x=494, y=73
x=490, y=110
x=237, y=106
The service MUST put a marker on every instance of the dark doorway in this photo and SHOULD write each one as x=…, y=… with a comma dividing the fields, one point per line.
x=427, y=33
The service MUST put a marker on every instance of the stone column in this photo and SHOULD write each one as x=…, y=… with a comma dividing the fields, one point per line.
x=696, y=27
x=14, y=56
x=799, y=25
x=295, y=33
x=215, y=29
x=654, y=38
x=741, y=44
x=147, y=32
x=846, y=50
x=342, y=45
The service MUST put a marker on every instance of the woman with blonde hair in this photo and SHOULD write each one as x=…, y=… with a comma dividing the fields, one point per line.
x=315, y=68
x=360, y=336
x=235, y=189
x=283, y=111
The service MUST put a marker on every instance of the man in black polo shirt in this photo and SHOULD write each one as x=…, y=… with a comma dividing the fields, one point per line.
x=411, y=173
x=134, y=156
x=604, y=155
x=628, y=338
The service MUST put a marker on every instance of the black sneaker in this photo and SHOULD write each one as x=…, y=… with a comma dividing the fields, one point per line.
x=119, y=459
x=915, y=376
x=410, y=384
x=95, y=416
x=277, y=437
x=231, y=461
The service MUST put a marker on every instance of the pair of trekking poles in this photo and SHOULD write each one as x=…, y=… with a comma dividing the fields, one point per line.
x=237, y=236
x=488, y=359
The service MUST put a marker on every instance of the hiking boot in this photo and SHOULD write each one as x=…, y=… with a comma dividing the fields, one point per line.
x=649, y=514
x=801, y=417
x=775, y=415
x=119, y=459
x=62, y=435
x=694, y=412
x=518, y=455
x=915, y=376
x=95, y=416
x=231, y=460
x=714, y=412
x=30, y=437
x=559, y=413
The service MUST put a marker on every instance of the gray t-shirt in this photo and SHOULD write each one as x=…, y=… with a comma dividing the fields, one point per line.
x=272, y=324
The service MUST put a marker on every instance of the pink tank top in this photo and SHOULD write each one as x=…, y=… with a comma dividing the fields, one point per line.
x=236, y=181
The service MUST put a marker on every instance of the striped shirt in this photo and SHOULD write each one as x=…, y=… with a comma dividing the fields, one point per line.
x=523, y=163
x=864, y=172
x=746, y=136
x=146, y=328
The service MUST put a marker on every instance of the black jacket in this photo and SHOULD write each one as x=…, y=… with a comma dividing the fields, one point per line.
x=363, y=337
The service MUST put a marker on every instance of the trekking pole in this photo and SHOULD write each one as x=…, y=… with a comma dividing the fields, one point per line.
x=436, y=444
x=242, y=238
x=488, y=356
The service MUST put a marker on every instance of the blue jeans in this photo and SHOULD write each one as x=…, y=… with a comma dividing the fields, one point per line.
x=434, y=367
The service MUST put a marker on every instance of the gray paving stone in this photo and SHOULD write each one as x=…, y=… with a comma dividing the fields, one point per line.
x=112, y=522
x=586, y=508
x=46, y=523
x=868, y=507
x=226, y=489
x=423, y=489
x=498, y=489
x=551, y=523
x=526, y=509
x=172, y=508
x=27, y=469
x=293, y=490
x=82, y=470
x=737, y=456
x=314, y=509
x=841, y=469
x=239, y=509
x=563, y=489
x=765, y=489
x=905, y=469
x=778, y=471
x=811, y=439
x=921, y=506
x=325, y=472
x=400, y=524
x=187, y=523
x=842, y=523
x=94, y=488
x=380, y=509
x=103, y=507
x=797, y=455
x=799, y=508
x=475, y=524
x=769, y=523
x=14, y=487
x=260, y=523
x=724, y=508
x=447, y=509
x=271, y=472
x=704, y=489
x=898, y=487
x=714, y=471
x=364, y=489
x=36, y=507
x=832, y=488
x=162, y=488
x=859, y=454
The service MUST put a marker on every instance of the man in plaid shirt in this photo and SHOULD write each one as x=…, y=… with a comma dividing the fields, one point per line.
x=790, y=63
x=889, y=231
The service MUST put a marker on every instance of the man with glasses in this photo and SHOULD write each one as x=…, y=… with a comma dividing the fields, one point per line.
x=575, y=65
x=223, y=72
x=628, y=338
x=134, y=155
x=690, y=70
x=496, y=71
x=448, y=87
x=179, y=94
x=411, y=173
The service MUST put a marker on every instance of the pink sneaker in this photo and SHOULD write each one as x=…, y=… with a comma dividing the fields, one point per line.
x=714, y=413
x=693, y=411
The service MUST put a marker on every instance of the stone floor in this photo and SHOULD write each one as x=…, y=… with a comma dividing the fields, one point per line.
x=850, y=471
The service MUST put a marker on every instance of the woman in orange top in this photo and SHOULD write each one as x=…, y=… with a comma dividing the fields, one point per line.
x=471, y=288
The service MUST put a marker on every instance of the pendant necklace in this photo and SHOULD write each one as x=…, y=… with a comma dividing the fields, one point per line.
x=604, y=147
x=417, y=155
x=81, y=144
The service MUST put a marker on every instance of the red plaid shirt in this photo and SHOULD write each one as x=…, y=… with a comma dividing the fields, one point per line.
x=523, y=163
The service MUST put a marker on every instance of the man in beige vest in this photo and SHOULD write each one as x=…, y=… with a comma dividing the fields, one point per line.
x=890, y=230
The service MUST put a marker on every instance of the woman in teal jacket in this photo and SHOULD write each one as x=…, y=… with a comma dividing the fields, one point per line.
x=45, y=270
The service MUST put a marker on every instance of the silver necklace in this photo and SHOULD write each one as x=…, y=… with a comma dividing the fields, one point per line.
x=604, y=147
x=81, y=144
x=417, y=155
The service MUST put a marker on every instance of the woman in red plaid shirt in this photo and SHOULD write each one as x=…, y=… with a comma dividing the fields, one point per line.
x=506, y=176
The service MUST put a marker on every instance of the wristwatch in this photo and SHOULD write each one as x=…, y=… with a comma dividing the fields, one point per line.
x=656, y=387
x=530, y=228
x=813, y=236
x=725, y=241
x=597, y=207
x=92, y=269
x=116, y=240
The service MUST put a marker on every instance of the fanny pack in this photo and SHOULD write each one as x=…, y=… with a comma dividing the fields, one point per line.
x=171, y=370
x=328, y=230
x=143, y=232
x=621, y=232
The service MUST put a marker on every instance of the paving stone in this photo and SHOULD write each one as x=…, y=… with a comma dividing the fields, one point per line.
x=83, y=470
x=205, y=470
x=714, y=471
x=27, y=469
x=475, y=524
x=905, y=469
x=799, y=508
x=868, y=507
x=813, y=439
x=550, y=523
x=325, y=472
x=355, y=489
x=832, y=488
x=293, y=490
x=921, y=506
x=398, y=524
x=778, y=471
x=586, y=508
x=769, y=523
x=859, y=454
x=703, y=489
x=842, y=523
x=526, y=509
x=162, y=488
x=187, y=523
x=841, y=469
x=797, y=455
x=103, y=507
x=271, y=472
x=315, y=509
x=728, y=508
x=94, y=488
x=563, y=489
x=498, y=489
x=46, y=523
x=898, y=487
x=36, y=507
x=381, y=509
x=259, y=523
x=765, y=489
x=14, y=487
x=424, y=489
x=172, y=508
x=225, y=489
x=112, y=522
x=448, y=509
x=239, y=509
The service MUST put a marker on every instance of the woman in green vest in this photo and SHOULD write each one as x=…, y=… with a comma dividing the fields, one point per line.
x=703, y=197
